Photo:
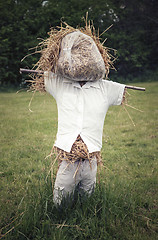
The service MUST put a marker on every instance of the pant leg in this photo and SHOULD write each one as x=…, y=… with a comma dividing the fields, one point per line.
x=65, y=182
x=88, y=176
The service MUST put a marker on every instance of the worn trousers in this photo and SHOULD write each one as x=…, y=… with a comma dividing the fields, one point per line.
x=80, y=175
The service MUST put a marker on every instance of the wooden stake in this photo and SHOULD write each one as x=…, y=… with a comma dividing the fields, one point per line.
x=23, y=70
x=135, y=88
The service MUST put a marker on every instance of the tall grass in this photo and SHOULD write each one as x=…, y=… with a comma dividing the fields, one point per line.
x=124, y=204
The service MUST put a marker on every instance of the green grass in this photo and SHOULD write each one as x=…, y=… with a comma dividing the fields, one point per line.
x=124, y=205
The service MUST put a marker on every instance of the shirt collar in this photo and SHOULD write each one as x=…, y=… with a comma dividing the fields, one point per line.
x=89, y=84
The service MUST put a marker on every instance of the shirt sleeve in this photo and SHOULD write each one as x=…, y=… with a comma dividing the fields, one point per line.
x=51, y=82
x=114, y=92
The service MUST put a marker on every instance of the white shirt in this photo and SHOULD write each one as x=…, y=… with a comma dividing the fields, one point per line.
x=82, y=110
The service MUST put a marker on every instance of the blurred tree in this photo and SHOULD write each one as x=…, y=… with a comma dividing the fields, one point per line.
x=134, y=33
x=134, y=36
x=19, y=27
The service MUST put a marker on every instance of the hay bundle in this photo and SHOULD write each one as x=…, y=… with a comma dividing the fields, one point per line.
x=52, y=56
x=80, y=59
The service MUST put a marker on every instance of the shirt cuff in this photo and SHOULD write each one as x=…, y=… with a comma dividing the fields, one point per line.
x=120, y=97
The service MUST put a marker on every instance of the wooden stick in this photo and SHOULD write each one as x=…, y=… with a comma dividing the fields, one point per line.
x=23, y=70
x=135, y=88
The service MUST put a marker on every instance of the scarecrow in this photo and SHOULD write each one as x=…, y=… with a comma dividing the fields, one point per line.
x=73, y=68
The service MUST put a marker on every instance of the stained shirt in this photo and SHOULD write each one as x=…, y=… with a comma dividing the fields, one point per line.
x=82, y=110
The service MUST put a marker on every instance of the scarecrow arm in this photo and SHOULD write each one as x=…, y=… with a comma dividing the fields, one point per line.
x=23, y=70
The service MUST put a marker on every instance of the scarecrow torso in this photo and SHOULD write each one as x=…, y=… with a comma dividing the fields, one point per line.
x=82, y=110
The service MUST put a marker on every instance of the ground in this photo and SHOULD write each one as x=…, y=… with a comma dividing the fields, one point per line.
x=124, y=205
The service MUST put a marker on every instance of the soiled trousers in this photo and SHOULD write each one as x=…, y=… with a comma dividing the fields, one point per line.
x=78, y=175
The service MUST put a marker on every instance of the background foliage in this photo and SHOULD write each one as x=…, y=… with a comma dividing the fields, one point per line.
x=134, y=33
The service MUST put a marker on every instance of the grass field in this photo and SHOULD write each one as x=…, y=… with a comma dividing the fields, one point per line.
x=124, y=205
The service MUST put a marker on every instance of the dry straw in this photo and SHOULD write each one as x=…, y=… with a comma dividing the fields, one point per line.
x=50, y=49
x=78, y=153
